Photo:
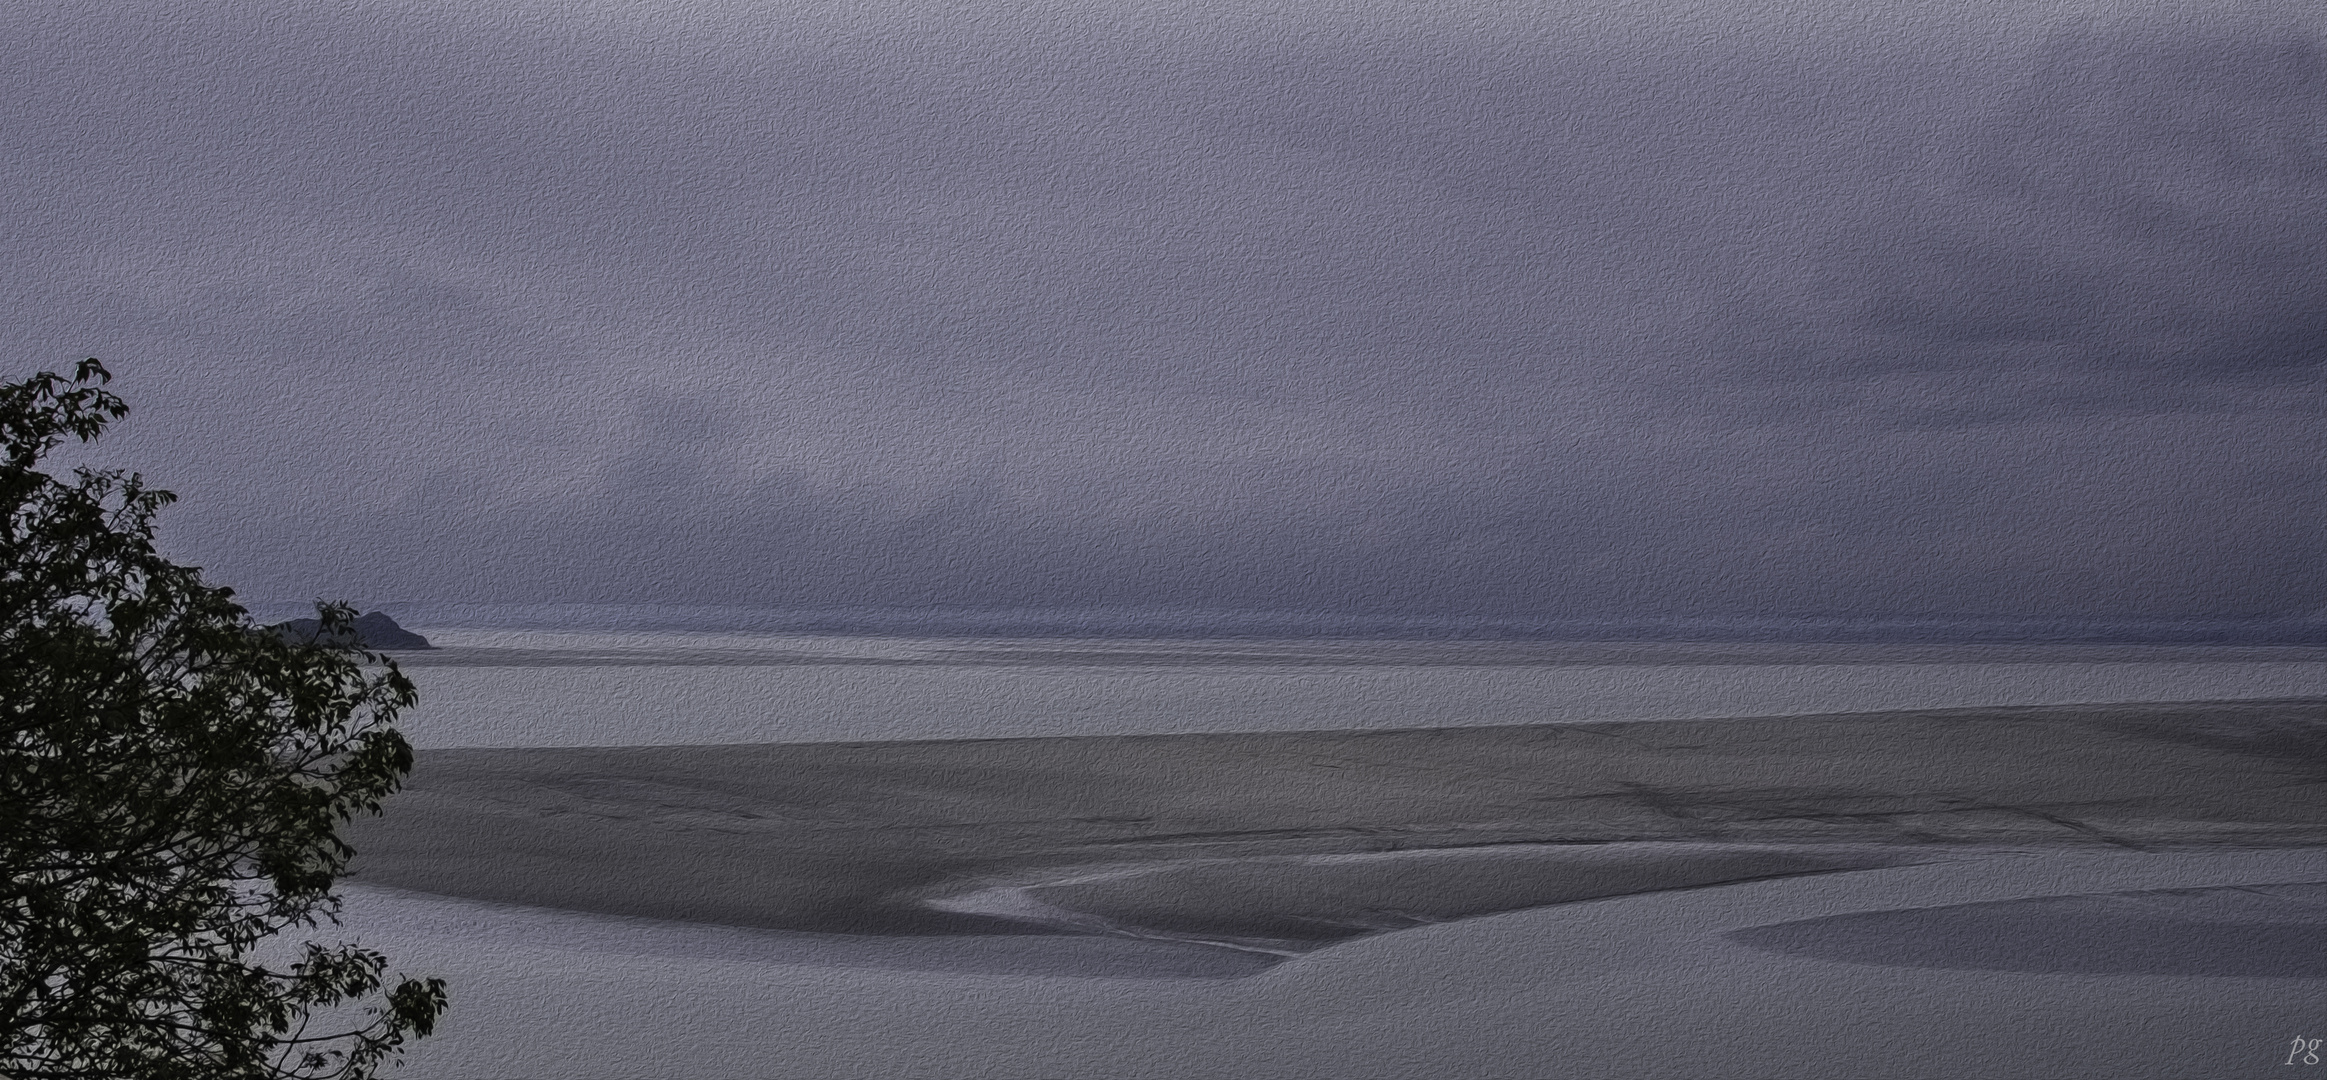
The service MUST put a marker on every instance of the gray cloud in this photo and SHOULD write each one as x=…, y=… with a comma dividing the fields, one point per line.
x=1544, y=313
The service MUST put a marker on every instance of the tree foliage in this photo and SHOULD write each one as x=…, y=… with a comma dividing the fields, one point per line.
x=172, y=783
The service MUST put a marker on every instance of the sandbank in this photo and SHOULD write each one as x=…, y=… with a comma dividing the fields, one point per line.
x=1278, y=841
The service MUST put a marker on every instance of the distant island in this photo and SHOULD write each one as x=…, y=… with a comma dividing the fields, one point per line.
x=374, y=630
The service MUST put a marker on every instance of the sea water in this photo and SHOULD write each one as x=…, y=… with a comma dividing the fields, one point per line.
x=504, y=688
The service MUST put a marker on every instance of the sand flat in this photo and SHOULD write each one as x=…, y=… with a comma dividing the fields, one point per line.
x=1643, y=986
x=860, y=837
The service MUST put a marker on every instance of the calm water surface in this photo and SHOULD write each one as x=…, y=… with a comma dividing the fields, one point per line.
x=558, y=689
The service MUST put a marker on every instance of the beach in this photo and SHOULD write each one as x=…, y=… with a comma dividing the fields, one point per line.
x=1060, y=540
x=2172, y=850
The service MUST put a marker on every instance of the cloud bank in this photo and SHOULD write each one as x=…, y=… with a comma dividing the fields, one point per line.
x=1629, y=313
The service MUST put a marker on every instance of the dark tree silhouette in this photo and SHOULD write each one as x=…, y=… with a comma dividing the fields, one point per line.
x=172, y=783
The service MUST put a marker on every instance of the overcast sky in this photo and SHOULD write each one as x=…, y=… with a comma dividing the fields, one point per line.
x=1467, y=308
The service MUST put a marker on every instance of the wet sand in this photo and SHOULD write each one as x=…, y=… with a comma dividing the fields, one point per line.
x=1655, y=985
x=2248, y=931
x=1286, y=905
x=1276, y=841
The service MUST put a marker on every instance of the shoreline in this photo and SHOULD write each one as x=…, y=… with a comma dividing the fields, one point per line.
x=1290, y=905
